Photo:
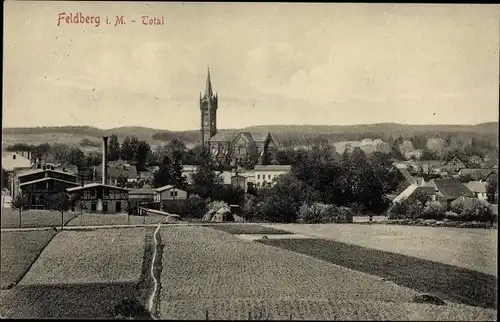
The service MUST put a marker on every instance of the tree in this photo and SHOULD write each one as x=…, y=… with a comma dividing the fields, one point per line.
x=113, y=148
x=60, y=152
x=163, y=176
x=177, y=178
x=60, y=202
x=141, y=155
x=282, y=201
x=129, y=148
x=205, y=179
x=20, y=203
x=492, y=189
x=76, y=157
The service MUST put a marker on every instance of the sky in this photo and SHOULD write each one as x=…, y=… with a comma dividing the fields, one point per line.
x=314, y=64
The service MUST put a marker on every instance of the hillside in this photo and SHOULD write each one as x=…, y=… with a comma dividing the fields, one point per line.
x=73, y=135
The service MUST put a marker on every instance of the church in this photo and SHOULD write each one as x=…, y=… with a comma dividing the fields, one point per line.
x=233, y=147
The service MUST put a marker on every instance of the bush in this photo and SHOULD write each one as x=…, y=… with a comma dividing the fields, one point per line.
x=311, y=214
x=216, y=207
x=398, y=210
x=345, y=215
x=477, y=210
x=195, y=206
x=251, y=208
x=433, y=210
x=324, y=213
x=453, y=216
x=457, y=206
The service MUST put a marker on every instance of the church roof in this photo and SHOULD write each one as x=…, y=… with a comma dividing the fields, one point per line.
x=225, y=136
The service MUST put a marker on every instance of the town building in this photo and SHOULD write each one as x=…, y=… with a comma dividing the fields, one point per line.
x=265, y=174
x=449, y=189
x=12, y=160
x=39, y=185
x=116, y=171
x=455, y=163
x=230, y=147
x=170, y=192
x=478, y=188
x=414, y=188
x=140, y=197
x=101, y=197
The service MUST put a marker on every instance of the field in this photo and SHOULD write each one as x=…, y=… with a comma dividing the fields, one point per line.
x=449, y=282
x=473, y=249
x=236, y=229
x=84, y=274
x=231, y=278
x=33, y=218
x=98, y=256
x=113, y=219
x=19, y=249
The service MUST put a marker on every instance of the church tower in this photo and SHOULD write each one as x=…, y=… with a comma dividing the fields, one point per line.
x=208, y=107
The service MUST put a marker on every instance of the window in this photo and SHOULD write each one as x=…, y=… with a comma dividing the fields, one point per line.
x=13, y=156
x=269, y=176
x=258, y=176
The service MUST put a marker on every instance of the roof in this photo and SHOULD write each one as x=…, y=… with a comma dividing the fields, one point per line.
x=29, y=172
x=224, y=136
x=405, y=193
x=167, y=187
x=451, y=188
x=116, y=170
x=273, y=167
x=142, y=191
x=411, y=190
x=462, y=158
x=477, y=186
x=477, y=173
x=94, y=185
x=47, y=179
x=406, y=174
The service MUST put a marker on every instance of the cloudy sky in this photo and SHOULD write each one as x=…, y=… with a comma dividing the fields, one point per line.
x=328, y=64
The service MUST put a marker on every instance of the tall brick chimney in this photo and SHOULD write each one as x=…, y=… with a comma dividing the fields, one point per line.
x=104, y=160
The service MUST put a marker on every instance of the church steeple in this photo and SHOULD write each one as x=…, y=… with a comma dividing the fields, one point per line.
x=208, y=87
x=208, y=106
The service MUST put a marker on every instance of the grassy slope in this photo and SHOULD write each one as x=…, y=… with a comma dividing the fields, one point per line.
x=449, y=282
x=18, y=252
x=33, y=218
x=86, y=299
x=230, y=278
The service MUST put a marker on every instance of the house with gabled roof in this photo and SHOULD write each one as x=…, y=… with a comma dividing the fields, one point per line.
x=449, y=189
x=39, y=185
x=455, y=163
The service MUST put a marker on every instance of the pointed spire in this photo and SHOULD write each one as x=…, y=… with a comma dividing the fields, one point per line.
x=208, y=89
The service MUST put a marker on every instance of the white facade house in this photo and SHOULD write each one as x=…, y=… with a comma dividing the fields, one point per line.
x=478, y=188
x=265, y=174
x=11, y=160
x=170, y=192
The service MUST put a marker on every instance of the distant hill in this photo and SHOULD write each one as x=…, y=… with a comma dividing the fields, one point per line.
x=73, y=135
